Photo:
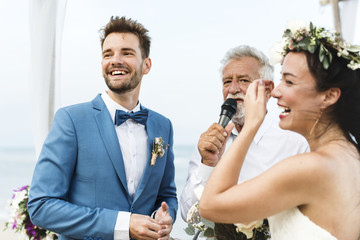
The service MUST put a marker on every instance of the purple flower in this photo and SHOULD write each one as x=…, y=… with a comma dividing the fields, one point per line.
x=30, y=229
x=14, y=225
x=21, y=189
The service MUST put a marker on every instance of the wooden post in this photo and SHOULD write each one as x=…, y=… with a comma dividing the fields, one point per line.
x=336, y=13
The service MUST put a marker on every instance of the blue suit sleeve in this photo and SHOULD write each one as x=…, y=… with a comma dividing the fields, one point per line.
x=48, y=204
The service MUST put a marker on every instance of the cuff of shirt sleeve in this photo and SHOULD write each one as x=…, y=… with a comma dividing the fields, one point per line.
x=122, y=226
x=204, y=172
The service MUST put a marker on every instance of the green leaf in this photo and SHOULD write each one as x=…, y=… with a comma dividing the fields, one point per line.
x=287, y=33
x=326, y=63
x=208, y=224
x=190, y=230
x=346, y=57
x=311, y=48
x=330, y=57
x=209, y=232
x=321, y=53
x=353, y=48
x=303, y=44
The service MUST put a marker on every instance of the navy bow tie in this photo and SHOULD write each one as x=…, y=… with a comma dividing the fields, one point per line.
x=139, y=116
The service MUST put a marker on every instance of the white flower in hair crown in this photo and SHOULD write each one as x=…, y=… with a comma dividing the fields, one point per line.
x=158, y=149
x=300, y=36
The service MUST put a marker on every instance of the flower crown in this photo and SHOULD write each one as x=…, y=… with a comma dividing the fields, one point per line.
x=299, y=36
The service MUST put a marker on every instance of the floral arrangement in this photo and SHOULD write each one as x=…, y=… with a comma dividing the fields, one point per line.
x=20, y=220
x=201, y=227
x=300, y=36
x=158, y=149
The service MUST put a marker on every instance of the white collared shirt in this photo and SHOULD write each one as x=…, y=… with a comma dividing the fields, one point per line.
x=133, y=139
x=270, y=145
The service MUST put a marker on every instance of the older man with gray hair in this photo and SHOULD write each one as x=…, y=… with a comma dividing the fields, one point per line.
x=240, y=66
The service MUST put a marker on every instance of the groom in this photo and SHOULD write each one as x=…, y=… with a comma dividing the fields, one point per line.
x=94, y=179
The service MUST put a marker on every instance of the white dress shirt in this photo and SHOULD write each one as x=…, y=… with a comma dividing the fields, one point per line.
x=270, y=145
x=132, y=138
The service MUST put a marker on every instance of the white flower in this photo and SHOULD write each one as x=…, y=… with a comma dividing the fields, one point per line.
x=247, y=229
x=18, y=197
x=295, y=25
x=353, y=66
x=276, y=53
x=192, y=215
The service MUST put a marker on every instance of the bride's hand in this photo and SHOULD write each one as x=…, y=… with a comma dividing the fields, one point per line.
x=255, y=103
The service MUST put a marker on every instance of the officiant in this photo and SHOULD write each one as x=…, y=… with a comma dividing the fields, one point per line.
x=240, y=66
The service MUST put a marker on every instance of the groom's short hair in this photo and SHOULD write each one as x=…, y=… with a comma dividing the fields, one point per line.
x=127, y=25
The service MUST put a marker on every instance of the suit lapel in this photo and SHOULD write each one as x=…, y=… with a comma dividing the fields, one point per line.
x=150, y=129
x=110, y=139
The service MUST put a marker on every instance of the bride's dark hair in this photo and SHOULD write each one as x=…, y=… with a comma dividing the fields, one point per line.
x=346, y=111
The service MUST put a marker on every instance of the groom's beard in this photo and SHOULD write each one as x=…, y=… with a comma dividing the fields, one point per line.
x=128, y=84
x=239, y=116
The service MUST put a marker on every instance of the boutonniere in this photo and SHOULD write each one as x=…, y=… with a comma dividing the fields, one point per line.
x=158, y=149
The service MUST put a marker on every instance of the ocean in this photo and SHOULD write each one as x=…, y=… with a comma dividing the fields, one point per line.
x=17, y=165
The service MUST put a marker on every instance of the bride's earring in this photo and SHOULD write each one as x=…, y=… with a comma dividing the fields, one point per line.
x=317, y=120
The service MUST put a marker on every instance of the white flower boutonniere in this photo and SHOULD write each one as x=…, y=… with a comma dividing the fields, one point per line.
x=158, y=149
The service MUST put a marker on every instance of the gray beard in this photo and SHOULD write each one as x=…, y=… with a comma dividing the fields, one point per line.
x=239, y=117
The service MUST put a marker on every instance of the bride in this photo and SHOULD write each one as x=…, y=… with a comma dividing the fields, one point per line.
x=314, y=195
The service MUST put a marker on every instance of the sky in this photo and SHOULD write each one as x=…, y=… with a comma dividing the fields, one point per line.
x=189, y=38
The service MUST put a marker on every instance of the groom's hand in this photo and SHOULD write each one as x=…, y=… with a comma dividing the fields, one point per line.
x=211, y=144
x=144, y=227
x=164, y=218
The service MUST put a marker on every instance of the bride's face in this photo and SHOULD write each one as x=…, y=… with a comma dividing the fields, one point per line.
x=297, y=95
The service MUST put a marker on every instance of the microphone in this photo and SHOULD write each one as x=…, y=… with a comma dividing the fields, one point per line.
x=228, y=109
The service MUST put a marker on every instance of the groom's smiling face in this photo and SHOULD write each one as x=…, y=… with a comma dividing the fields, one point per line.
x=122, y=63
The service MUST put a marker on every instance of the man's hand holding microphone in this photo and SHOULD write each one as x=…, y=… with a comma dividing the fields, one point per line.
x=211, y=144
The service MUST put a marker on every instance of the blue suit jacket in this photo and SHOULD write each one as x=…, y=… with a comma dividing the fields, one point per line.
x=79, y=183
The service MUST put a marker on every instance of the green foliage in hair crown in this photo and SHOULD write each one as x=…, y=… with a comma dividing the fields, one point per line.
x=300, y=36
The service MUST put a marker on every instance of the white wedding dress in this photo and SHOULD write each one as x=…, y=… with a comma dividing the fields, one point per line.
x=293, y=224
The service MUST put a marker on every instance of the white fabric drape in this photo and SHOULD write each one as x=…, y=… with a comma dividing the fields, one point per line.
x=46, y=24
x=350, y=20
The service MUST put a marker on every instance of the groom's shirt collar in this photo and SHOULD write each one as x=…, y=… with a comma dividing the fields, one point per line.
x=112, y=106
